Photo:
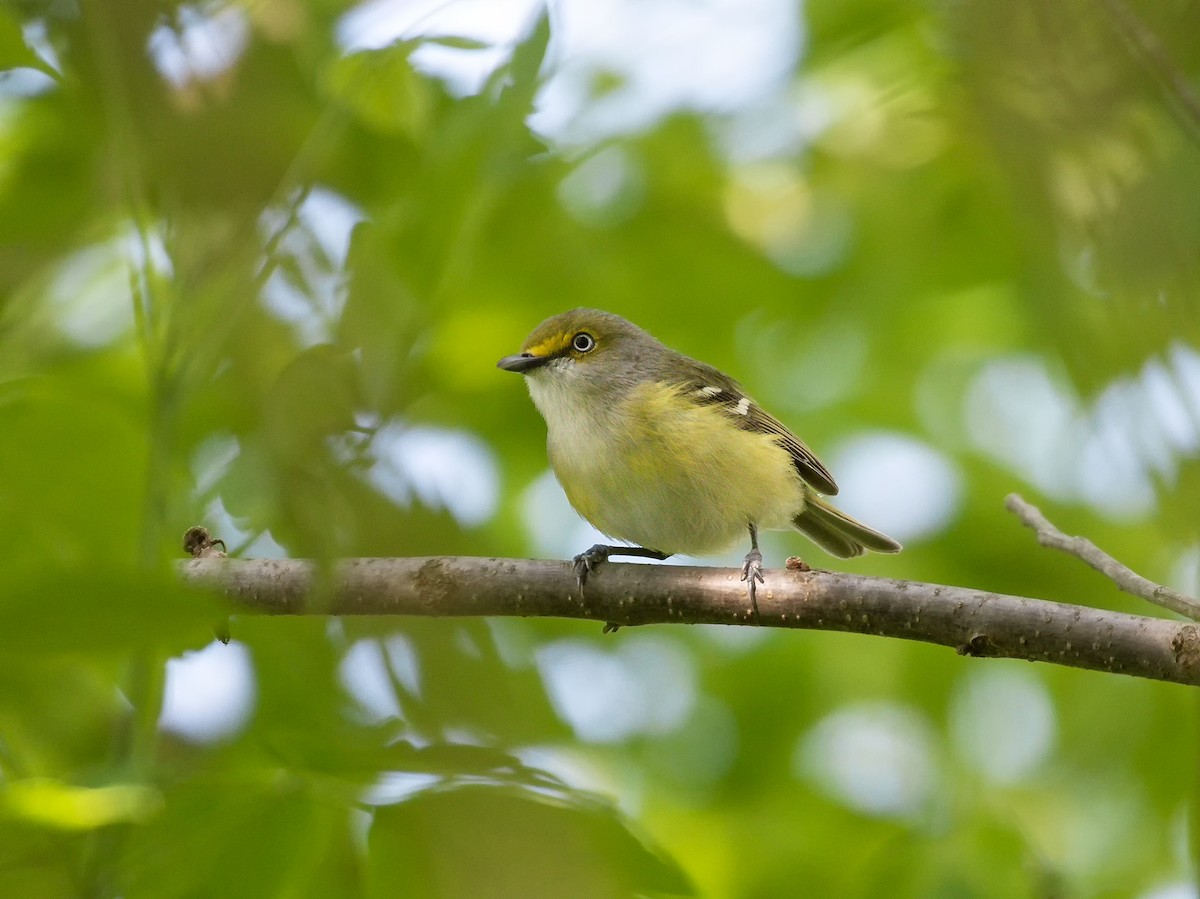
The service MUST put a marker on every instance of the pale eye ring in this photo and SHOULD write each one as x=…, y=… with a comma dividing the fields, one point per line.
x=583, y=342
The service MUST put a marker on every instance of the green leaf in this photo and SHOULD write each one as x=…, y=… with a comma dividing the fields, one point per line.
x=14, y=52
x=52, y=803
x=519, y=79
x=500, y=841
x=95, y=609
x=250, y=836
x=530, y=53
x=457, y=43
x=382, y=90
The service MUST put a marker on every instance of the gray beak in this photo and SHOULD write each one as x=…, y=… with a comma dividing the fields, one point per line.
x=523, y=362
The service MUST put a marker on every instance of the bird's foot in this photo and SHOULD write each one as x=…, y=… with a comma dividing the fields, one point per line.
x=751, y=572
x=586, y=562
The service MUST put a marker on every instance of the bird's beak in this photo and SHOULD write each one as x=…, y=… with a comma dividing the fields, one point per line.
x=523, y=362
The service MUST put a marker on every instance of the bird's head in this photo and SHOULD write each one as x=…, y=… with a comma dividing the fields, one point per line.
x=579, y=342
x=584, y=353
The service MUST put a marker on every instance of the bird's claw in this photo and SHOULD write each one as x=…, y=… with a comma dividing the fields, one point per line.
x=751, y=572
x=752, y=568
x=586, y=562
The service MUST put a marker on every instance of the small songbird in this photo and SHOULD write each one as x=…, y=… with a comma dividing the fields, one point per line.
x=668, y=453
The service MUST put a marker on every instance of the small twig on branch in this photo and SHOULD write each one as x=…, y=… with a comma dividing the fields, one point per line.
x=973, y=622
x=1082, y=548
x=200, y=544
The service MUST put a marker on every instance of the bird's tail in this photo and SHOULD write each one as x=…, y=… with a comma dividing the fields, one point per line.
x=837, y=533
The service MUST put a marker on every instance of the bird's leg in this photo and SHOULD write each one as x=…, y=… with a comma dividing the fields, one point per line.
x=752, y=569
x=586, y=562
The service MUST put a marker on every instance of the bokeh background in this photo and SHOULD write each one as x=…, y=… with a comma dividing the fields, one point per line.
x=257, y=261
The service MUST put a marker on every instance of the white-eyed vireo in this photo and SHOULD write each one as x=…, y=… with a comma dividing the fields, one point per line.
x=668, y=453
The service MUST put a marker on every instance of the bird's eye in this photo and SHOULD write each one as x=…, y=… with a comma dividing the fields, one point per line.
x=583, y=342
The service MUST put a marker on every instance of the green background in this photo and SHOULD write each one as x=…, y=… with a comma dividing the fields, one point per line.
x=987, y=253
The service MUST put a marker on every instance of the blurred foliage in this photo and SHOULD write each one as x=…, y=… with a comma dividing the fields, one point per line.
x=258, y=281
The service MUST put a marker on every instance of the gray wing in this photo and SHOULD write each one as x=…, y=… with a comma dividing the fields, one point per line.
x=708, y=386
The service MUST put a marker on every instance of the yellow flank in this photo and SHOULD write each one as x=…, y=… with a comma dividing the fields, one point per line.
x=676, y=476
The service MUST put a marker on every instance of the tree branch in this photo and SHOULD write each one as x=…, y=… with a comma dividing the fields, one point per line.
x=1082, y=548
x=973, y=622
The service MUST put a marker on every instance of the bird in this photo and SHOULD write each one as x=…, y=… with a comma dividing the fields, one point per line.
x=668, y=453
